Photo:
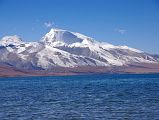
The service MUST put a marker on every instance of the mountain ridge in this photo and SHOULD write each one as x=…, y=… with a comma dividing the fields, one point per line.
x=66, y=49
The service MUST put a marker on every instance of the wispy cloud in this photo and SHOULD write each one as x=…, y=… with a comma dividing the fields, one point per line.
x=49, y=24
x=120, y=31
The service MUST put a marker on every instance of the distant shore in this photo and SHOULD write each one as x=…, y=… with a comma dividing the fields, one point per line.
x=8, y=71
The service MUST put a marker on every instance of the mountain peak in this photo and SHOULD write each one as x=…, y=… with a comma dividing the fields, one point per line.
x=55, y=30
x=64, y=36
x=10, y=40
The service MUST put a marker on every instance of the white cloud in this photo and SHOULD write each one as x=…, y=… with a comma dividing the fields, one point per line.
x=121, y=31
x=48, y=24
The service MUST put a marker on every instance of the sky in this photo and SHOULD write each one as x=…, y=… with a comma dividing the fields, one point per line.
x=134, y=23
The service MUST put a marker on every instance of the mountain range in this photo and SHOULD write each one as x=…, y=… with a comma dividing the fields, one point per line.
x=62, y=52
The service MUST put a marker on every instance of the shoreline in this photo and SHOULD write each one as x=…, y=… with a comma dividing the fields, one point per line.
x=71, y=75
x=9, y=71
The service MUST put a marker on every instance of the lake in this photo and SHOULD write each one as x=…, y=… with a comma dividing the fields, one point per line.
x=85, y=97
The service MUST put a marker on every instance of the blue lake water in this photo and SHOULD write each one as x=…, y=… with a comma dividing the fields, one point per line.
x=87, y=97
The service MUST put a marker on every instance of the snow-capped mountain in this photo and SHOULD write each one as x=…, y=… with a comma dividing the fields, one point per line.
x=10, y=40
x=62, y=48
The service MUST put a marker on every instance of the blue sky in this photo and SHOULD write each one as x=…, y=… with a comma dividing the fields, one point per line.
x=121, y=22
